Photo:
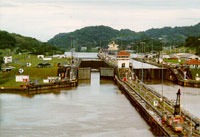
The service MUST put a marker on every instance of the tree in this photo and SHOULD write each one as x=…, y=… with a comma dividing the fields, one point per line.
x=6, y=40
x=193, y=42
x=1, y=60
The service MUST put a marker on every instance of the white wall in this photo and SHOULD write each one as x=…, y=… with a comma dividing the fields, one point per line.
x=120, y=62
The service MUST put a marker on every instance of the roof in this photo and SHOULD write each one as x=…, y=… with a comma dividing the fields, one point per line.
x=123, y=53
x=193, y=62
x=186, y=55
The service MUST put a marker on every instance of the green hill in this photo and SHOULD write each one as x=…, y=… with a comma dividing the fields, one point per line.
x=174, y=35
x=16, y=43
x=100, y=36
x=91, y=37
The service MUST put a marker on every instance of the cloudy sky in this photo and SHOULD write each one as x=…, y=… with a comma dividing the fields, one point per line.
x=43, y=19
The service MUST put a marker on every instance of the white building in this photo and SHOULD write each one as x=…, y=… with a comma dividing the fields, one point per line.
x=123, y=59
x=59, y=56
x=7, y=59
x=193, y=63
x=52, y=79
x=56, y=56
x=22, y=78
x=47, y=58
x=187, y=56
x=165, y=56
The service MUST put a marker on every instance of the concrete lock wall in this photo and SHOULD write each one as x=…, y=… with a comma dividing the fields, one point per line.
x=94, y=64
x=106, y=72
x=84, y=73
x=152, y=73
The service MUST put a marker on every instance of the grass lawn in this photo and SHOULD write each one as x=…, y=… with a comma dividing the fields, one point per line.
x=8, y=78
x=174, y=61
x=19, y=61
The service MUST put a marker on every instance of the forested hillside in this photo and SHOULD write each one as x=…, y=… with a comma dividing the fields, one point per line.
x=17, y=43
x=100, y=36
x=92, y=37
x=174, y=35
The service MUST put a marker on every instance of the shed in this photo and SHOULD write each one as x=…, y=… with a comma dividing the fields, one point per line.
x=7, y=59
x=47, y=58
x=40, y=56
x=43, y=65
x=22, y=78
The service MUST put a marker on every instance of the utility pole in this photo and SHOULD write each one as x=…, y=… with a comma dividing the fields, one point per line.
x=142, y=43
x=162, y=73
x=152, y=49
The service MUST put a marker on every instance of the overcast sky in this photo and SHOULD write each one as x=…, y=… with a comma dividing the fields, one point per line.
x=43, y=19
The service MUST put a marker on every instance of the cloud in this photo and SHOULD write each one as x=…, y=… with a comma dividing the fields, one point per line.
x=45, y=18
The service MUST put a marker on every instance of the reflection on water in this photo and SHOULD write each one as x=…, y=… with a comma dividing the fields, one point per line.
x=93, y=109
x=190, y=97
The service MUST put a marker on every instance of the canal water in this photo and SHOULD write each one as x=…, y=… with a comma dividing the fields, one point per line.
x=95, y=108
x=190, y=97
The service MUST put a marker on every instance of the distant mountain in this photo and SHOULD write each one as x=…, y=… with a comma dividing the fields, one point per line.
x=94, y=36
x=174, y=35
x=19, y=43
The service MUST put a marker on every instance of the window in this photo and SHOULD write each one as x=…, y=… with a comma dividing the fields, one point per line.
x=123, y=65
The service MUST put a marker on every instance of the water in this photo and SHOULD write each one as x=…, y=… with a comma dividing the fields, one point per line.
x=190, y=97
x=93, y=109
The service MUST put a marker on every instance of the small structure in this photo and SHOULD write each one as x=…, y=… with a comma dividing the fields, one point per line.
x=43, y=65
x=7, y=59
x=165, y=56
x=83, y=48
x=186, y=56
x=193, y=63
x=22, y=78
x=40, y=56
x=47, y=59
x=53, y=79
x=7, y=69
x=56, y=56
x=28, y=64
x=59, y=56
x=21, y=70
x=123, y=59
x=62, y=56
x=45, y=81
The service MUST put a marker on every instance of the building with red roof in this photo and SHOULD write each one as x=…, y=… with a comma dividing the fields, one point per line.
x=123, y=59
x=193, y=63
